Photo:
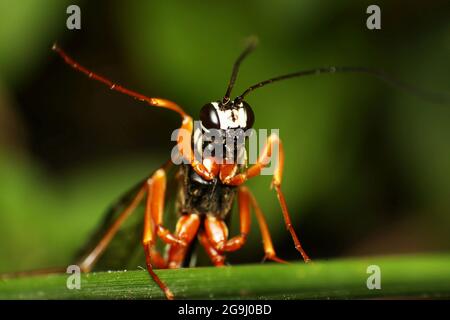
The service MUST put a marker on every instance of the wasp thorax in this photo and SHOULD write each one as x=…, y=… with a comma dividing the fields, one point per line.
x=216, y=115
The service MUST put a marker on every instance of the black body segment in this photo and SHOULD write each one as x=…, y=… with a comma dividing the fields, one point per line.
x=197, y=195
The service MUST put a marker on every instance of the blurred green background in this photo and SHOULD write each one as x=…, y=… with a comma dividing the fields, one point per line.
x=367, y=166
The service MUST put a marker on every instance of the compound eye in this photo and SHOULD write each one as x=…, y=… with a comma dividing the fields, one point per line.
x=209, y=117
x=250, y=115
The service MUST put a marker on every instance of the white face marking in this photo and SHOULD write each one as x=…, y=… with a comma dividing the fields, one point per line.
x=234, y=118
x=198, y=140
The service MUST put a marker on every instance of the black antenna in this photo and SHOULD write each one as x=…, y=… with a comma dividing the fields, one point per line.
x=432, y=97
x=251, y=45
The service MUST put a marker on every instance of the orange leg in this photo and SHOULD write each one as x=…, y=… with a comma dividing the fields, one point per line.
x=148, y=259
x=90, y=258
x=217, y=230
x=154, y=207
x=263, y=161
x=288, y=223
x=183, y=139
x=216, y=257
x=269, y=250
x=186, y=229
x=157, y=259
x=255, y=170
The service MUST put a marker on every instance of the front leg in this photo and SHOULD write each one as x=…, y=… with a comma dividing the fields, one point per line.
x=273, y=142
x=205, y=168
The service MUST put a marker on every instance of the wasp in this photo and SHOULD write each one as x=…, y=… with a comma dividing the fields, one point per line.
x=207, y=188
